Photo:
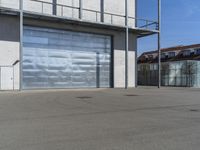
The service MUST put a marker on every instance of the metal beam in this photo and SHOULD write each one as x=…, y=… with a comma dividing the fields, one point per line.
x=80, y=9
x=102, y=10
x=54, y=7
x=21, y=41
x=159, y=44
x=126, y=45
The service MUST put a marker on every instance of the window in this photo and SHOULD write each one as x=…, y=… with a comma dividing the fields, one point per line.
x=171, y=54
x=150, y=57
x=197, y=51
x=186, y=53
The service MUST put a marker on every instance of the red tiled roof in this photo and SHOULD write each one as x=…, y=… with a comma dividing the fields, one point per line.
x=179, y=56
x=175, y=48
x=180, y=47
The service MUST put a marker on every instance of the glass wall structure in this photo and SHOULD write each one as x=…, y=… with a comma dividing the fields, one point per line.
x=177, y=73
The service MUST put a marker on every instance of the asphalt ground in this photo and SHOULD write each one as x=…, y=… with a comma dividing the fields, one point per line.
x=101, y=119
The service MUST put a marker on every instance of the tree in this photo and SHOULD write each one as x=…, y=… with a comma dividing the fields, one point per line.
x=189, y=71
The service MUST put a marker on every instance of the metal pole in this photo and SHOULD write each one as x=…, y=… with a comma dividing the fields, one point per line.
x=102, y=10
x=159, y=47
x=21, y=41
x=80, y=9
x=136, y=52
x=136, y=67
x=126, y=44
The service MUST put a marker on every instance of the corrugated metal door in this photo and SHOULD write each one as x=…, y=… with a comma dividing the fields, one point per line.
x=64, y=59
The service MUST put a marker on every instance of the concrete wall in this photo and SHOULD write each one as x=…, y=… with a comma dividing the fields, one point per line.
x=9, y=44
x=10, y=3
x=9, y=40
x=119, y=60
x=118, y=7
x=118, y=46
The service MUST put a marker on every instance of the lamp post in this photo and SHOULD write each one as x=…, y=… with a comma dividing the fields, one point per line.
x=159, y=47
x=126, y=44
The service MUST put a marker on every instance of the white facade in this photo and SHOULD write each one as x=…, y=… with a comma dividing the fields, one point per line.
x=114, y=15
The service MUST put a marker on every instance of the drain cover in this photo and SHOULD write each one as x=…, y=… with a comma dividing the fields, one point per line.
x=84, y=97
x=194, y=110
x=131, y=95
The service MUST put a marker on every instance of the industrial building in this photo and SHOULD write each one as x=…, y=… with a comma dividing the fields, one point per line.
x=47, y=44
x=180, y=67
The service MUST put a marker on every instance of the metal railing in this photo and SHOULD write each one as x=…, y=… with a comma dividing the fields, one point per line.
x=84, y=14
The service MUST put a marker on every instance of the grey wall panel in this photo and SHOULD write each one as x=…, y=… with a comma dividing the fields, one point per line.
x=65, y=59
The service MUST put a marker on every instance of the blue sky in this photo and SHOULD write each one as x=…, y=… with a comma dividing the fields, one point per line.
x=180, y=23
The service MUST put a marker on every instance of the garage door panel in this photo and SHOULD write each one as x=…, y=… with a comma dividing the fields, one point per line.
x=65, y=59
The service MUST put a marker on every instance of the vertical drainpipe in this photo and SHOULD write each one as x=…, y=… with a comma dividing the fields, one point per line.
x=126, y=44
x=136, y=53
x=80, y=9
x=21, y=41
x=159, y=47
x=102, y=10
x=54, y=7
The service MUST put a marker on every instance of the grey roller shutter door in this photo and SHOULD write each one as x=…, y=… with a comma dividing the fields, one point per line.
x=64, y=59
